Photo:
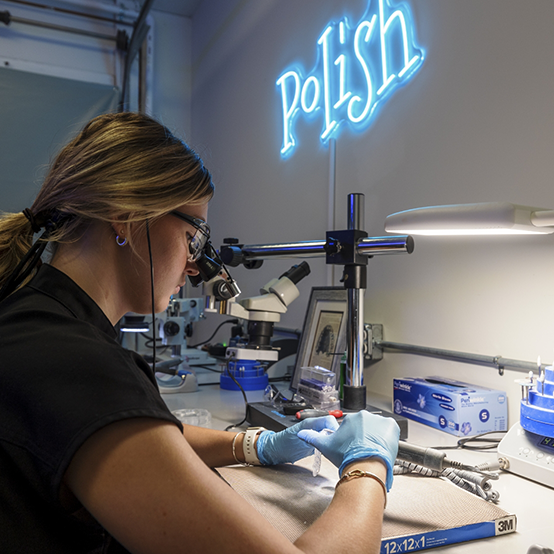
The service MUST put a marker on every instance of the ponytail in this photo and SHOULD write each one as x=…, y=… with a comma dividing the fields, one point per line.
x=16, y=241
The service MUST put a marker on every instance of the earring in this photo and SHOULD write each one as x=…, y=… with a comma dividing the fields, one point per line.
x=119, y=241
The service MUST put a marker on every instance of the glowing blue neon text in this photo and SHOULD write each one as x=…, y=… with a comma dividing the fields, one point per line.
x=357, y=69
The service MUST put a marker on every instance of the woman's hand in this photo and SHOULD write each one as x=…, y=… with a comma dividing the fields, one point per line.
x=285, y=446
x=361, y=435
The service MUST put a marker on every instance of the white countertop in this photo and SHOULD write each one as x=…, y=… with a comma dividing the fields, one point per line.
x=529, y=501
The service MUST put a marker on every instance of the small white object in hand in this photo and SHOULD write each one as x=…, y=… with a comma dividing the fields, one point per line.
x=317, y=455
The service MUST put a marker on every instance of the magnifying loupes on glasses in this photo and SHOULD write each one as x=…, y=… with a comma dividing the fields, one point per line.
x=209, y=266
x=207, y=260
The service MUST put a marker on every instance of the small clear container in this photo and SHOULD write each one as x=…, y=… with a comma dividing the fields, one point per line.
x=318, y=378
x=318, y=386
x=194, y=416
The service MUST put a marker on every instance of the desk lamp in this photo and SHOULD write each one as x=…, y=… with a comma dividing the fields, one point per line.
x=488, y=218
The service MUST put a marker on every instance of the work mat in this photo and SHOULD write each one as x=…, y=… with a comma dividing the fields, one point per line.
x=422, y=512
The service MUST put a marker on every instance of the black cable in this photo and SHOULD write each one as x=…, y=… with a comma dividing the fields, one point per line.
x=490, y=443
x=235, y=321
x=149, y=342
x=243, y=395
x=148, y=338
x=209, y=369
x=152, y=298
x=463, y=442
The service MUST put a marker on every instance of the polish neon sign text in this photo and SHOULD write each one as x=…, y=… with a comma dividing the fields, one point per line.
x=357, y=68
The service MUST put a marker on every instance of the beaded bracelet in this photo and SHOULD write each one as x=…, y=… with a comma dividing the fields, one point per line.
x=356, y=473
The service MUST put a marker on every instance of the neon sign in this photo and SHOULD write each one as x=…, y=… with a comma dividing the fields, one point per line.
x=356, y=70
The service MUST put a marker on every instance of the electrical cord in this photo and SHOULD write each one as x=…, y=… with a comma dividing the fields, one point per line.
x=243, y=394
x=477, y=482
x=210, y=369
x=149, y=338
x=490, y=443
x=149, y=342
x=235, y=321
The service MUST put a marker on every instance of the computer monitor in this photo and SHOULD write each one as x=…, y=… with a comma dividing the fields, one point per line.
x=323, y=338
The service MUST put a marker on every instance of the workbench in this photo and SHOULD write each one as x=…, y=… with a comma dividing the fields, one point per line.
x=530, y=501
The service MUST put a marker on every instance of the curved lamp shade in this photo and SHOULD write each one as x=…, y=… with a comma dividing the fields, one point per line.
x=488, y=218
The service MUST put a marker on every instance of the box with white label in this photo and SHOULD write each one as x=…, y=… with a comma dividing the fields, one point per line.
x=452, y=406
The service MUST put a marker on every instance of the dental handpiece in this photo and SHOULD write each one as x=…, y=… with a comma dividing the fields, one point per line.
x=427, y=457
x=418, y=455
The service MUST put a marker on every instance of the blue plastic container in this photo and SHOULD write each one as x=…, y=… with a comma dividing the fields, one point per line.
x=250, y=374
x=537, y=414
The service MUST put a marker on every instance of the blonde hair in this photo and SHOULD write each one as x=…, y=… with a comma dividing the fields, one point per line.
x=120, y=167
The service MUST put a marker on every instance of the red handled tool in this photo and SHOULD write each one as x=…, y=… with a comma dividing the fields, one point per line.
x=305, y=414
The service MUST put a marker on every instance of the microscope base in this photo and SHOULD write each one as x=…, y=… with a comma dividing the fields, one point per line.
x=170, y=384
x=194, y=356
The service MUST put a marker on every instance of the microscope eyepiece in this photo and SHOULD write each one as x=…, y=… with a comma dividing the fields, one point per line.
x=297, y=272
x=208, y=268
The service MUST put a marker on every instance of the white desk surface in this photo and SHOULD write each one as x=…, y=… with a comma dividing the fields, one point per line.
x=530, y=501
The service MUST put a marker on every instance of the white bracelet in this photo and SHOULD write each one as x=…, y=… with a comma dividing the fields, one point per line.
x=248, y=445
x=235, y=452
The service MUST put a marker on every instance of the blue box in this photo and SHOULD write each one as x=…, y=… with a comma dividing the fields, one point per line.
x=457, y=408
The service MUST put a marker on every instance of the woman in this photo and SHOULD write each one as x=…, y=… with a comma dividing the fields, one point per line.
x=91, y=460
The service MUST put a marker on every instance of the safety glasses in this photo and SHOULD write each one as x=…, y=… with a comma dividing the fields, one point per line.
x=198, y=241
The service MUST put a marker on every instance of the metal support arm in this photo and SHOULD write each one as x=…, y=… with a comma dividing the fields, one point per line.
x=234, y=255
x=350, y=248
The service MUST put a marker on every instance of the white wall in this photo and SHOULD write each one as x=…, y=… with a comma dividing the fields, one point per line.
x=475, y=124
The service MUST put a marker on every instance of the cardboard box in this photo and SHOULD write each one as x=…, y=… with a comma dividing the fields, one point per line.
x=452, y=406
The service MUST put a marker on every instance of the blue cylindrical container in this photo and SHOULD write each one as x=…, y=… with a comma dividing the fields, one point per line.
x=250, y=374
x=537, y=411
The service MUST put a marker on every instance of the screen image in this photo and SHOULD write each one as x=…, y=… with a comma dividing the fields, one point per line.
x=325, y=339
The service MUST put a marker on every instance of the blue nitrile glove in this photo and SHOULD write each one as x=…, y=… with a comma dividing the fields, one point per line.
x=360, y=436
x=285, y=446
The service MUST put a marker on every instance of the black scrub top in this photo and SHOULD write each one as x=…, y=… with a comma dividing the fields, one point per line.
x=63, y=376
